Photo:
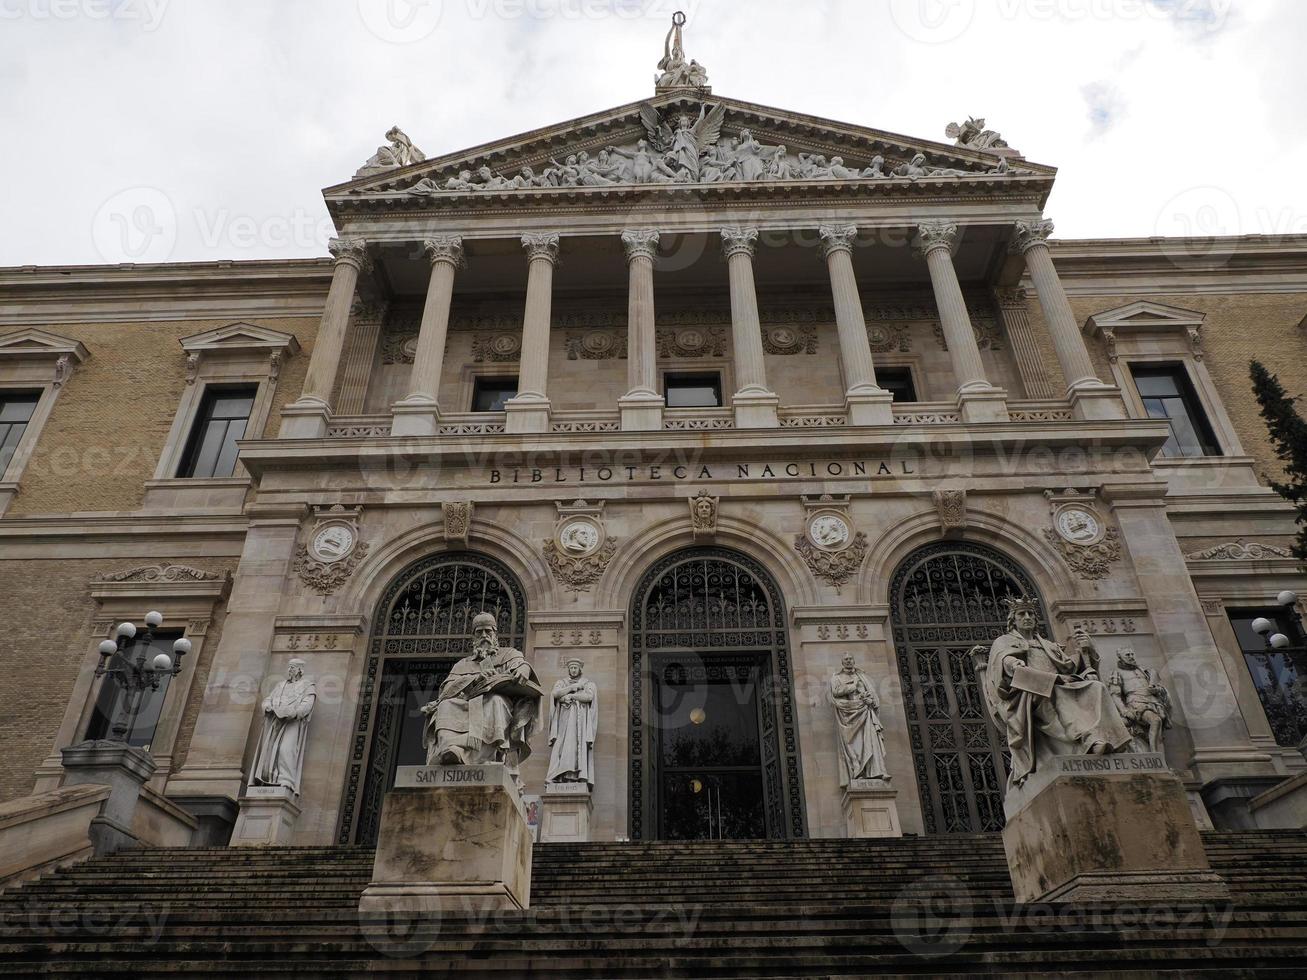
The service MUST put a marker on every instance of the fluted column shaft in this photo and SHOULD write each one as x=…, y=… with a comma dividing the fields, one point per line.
x=936, y=240
x=642, y=346
x=351, y=259
x=1011, y=304
x=1032, y=242
x=851, y=324
x=542, y=251
x=446, y=255
x=746, y=326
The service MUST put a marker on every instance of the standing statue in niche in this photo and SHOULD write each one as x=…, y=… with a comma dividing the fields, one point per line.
x=862, y=736
x=573, y=718
x=279, y=758
x=1142, y=700
x=487, y=708
x=1046, y=700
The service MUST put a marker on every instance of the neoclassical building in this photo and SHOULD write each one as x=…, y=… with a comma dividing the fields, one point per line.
x=705, y=394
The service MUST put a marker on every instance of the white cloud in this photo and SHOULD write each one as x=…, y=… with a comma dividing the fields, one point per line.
x=237, y=114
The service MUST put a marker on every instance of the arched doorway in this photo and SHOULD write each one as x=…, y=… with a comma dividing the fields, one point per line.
x=713, y=744
x=422, y=626
x=944, y=599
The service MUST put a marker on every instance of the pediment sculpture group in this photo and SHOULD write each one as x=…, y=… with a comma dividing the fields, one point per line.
x=682, y=148
x=1046, y=699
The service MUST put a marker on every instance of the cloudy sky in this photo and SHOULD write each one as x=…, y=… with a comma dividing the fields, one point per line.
x=152, y=130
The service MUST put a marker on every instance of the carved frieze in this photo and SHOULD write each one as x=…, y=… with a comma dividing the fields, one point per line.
x=985, y=329
x=887, y=337
x=596, y=345
x=161, y=573
x=496, y=347
x=787, y=339
x=692, y=342
x=399, y=348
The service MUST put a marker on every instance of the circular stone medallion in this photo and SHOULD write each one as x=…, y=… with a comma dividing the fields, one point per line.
x=1079, y=526
x=830, y=532
x=332, y=542
x=578, y=537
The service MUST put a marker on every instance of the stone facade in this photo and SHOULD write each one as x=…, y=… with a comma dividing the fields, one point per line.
x=789, y=443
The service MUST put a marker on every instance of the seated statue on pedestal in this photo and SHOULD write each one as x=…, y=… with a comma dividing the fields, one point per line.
x=1046, y=700
x=486, y=709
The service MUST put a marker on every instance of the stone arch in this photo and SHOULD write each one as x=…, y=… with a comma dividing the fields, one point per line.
x=945, y=597
x=420, y=627
x=712, y=612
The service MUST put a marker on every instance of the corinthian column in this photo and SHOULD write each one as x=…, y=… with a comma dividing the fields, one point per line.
x=306, y=418
x=978, y=400
x=529, y=410
x=419, y=413
x=865, y=401
x=641, y=406
x=1090, y=397
x=754, y=404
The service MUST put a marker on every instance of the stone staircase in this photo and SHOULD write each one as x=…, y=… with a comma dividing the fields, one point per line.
x=915, y=906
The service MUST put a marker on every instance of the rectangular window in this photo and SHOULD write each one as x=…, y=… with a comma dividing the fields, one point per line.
x=898, y=382
x=112, y=705
x=16, y=408
x=693, y=390
x=1167, y=394
x=224, y=413
x=490, y=394
x=1274, y=672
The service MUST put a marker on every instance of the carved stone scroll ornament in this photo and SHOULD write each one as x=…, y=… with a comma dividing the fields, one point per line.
x=834, y=568
x=161, y=573
x=1090, y=562
x=1239, y=551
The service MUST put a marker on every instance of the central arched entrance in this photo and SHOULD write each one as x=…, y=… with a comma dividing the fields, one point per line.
x=714, y=749
x=422, y=627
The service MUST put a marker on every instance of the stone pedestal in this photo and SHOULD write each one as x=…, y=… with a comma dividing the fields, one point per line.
x=641, y=412
x=870, y=809
x=983, y=405
x=304, y=419
x=415, y=416
x=124, y=770
x=565, y=813
x=526, y=414
x=870, y=409
x=451, y=838
x=267, y=817
x=1106, y=828
x=755, y=409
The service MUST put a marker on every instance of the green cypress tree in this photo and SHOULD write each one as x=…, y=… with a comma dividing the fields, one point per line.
x=1289, y=435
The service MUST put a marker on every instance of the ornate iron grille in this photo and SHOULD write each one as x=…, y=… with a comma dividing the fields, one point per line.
x=707, y=602
x=423, y=625
x=946, y=598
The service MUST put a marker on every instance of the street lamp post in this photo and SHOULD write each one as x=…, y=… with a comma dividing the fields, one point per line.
x=124, y=659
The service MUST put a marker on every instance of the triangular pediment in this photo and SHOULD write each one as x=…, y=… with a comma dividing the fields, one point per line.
x=32, y=342
x=1145, y=315
x=709, y=143
x=237, y=337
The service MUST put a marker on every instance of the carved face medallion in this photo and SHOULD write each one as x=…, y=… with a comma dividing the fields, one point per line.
x=830, y=532
x=578, y=537
x=333, y=542
x=1078, y=526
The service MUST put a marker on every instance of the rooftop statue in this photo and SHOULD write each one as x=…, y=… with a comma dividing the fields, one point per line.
x=973, y=134
x=677, y=72
x=400, y=152
x=1047, y=700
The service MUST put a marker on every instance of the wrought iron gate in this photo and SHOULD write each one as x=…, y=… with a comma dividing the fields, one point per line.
x=694, y=606
x=945, y=598
x=423, y=625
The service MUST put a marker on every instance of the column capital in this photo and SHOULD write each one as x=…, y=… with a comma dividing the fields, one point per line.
x=837, y=238
x=641, y=243
x=351, y=251
x=1031, y=233
x=541, y=245
x=445, y=248
x=1011, y=296
x=932, y=235
x=736, y=241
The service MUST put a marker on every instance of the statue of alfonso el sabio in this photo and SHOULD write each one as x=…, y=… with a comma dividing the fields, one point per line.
x=1047, y=700
x=487, y=708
